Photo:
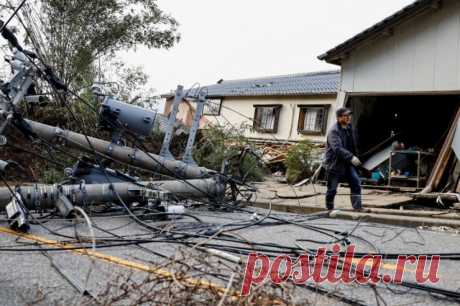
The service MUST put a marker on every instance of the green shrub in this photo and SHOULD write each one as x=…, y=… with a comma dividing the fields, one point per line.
x=300, y=162
x=52, y=176
x=219, y=143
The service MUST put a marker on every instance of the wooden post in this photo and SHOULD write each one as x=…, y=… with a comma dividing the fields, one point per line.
x=443, y=158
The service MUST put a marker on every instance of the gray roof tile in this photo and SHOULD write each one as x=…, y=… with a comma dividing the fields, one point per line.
x=317, y=83
x=302, y=84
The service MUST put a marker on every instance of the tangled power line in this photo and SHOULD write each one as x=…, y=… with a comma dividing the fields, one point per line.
x=194, y=234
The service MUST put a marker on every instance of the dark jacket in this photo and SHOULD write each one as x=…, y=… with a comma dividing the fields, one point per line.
x=340, y=148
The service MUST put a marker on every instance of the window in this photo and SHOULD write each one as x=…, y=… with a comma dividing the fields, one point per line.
x=313, y=119
x=266, y=118
x=212, y=107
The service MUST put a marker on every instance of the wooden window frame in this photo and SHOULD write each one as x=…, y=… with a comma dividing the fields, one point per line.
x=301, y=122
x=255, y=124
x=218, y=112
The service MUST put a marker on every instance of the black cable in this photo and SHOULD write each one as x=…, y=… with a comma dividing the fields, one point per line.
x=12, y=16
x=144, y=150
x=149, y=251
x=52, y=161
x=53, y=86
x=311, y=228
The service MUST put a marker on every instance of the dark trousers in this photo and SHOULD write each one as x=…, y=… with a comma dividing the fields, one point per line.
x=352, y=178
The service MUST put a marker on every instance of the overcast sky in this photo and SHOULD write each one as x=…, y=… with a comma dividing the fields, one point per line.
x=233, y=39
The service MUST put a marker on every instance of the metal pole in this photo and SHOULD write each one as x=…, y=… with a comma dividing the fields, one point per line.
x=128, y=155
x=178, y=97
x=188, y=158
x=389, y=169
x=419, y=159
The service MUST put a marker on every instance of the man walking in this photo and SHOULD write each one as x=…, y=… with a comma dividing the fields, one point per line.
x=341, y=160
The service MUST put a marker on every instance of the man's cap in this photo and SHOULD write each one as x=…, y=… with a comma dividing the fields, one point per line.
x=343, y=111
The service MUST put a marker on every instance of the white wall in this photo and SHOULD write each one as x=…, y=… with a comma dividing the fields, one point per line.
x=241, y=111
x=421, y=56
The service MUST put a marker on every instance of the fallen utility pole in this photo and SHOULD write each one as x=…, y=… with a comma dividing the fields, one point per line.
x=39, y=196
x=128, y=155
x=87, y=184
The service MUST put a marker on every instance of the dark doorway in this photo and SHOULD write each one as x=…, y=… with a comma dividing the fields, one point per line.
x=417, y=121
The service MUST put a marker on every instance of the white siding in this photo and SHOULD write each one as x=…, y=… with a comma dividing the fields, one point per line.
x=421, y=56
x=239, y=111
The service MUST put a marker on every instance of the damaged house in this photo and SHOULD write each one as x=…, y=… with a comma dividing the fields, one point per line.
x=277, y=109
x=401, y=78
x=274, y=112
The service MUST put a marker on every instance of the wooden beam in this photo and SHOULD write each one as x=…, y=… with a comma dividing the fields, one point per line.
x=443, y=158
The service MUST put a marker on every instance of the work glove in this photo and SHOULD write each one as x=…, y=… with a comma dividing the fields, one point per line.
x=356, y=162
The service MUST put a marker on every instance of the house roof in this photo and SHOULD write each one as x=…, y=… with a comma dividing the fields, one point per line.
x=302, y=84
x=384, y=27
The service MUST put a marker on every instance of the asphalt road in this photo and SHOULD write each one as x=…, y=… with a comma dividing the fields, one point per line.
x=29, y=278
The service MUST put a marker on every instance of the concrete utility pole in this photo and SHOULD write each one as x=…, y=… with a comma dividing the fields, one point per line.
x=114, y=116
x=123, y=154
x=45, y=196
